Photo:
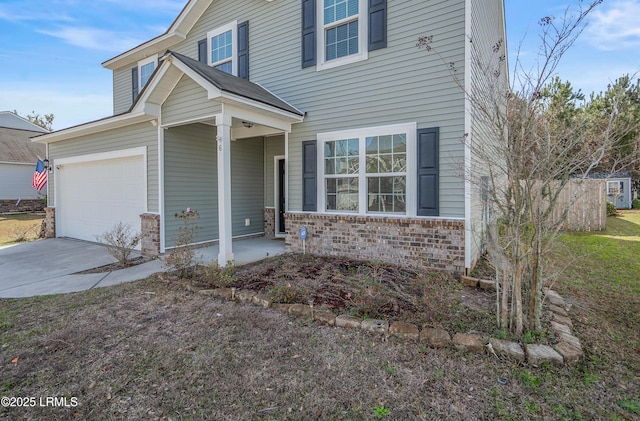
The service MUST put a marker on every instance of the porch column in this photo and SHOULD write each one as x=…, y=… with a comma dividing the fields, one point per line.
x=223, y=125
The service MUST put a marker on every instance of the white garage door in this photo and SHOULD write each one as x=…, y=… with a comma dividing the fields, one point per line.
x=94, y=196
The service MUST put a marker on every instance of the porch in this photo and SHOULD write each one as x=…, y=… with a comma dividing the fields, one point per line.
x=245, y=250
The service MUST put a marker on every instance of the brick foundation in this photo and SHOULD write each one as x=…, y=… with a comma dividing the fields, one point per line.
x=417, y=242
x=50, y=223
x=269, y=222
x=26, y=205
x=150, y=235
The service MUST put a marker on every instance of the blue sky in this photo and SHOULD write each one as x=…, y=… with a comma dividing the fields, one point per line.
x=51, y=50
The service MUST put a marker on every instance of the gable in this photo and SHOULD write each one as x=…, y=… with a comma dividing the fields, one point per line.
x=11, y=120
x=188, y=102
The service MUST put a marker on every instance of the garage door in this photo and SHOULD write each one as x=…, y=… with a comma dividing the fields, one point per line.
x=94, y=196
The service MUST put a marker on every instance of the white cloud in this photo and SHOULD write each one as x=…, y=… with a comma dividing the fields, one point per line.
x=616, y=27
x=20, y=14
x=94, y=39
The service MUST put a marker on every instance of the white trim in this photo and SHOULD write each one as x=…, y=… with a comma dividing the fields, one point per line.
x=153, y=59
x=101, y=156
x=189, y=121
x=363, y=36
x=161, y=207
x=409, y=129
x=276, y=193
x=93, y=127
x=286, y=170
x=468, y=128
x=233, y=27
x=176, y=33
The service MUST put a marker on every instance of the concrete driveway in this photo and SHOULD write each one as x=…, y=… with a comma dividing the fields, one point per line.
x=48, y=266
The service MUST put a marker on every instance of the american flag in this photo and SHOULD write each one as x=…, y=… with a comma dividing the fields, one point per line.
x=39, y=176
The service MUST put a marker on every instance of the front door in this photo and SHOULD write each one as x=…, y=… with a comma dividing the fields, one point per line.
x=280, y=206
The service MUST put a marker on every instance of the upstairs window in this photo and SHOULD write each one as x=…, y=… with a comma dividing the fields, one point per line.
x=337, y=32
x=344, y=29
x=145, y=70
x=222, y=48
x=341, y=28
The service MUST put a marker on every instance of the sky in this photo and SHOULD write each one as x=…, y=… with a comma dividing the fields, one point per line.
x=51, y=50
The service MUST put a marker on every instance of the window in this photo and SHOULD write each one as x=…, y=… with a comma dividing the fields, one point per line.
x=366, y=171
x=344, y=29
x=222, y=48
x=145, y=70
x=615, y=188
x=387, y=173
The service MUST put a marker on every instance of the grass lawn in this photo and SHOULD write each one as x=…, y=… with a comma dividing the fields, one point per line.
x=19, y=228
x=153, y=350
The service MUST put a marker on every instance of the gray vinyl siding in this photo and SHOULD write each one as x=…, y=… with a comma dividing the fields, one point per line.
x=188, y=101
x=142, y=134
x=122, y=90
x=247, y=192
x=274, y=146
x=487, y=30
x=190, y=179
x=397, y=84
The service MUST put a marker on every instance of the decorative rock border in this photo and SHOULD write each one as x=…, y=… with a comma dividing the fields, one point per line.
x=567, y=351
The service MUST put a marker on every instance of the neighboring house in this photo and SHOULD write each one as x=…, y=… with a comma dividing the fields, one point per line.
x=18, y=157
x=268, y=116
x=618, y=186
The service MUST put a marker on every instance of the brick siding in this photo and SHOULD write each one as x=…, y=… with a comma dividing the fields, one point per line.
x=269, y=222
x=26, y=205
x=50, y=223
x=416, y=242
x=150, y=234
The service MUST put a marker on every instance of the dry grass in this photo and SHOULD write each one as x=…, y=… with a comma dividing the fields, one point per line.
x=153, y=350
x=19, y=228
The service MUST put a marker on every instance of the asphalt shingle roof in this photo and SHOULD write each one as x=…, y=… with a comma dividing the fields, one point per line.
x=235, y=85
x=16, y=146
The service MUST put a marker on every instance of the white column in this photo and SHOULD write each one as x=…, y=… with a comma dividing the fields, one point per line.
x=223, y=125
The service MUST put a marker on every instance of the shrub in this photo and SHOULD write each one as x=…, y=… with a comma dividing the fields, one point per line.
x=635, y=204
x=214, y=276
x=180, y=258
x=285, y=294
x=611, y=209
x=120, y=241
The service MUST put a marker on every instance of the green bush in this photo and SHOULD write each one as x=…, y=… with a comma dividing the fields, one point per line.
x=611, y=209
x=635, y=204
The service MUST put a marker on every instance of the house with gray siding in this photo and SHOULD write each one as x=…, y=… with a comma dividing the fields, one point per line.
x=18, y=157
x=267, y=116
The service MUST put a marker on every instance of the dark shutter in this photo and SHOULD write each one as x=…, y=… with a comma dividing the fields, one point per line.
x=309, y=176
x=134, y=83
x=428, y=140
x=202, y=51
x=377, y=24
x=243, y=50
x=308, y=33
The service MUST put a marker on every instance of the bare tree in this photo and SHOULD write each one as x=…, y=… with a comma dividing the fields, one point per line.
x=535, y=136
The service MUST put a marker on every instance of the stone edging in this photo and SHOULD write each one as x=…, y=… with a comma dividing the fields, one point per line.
x=567, y=351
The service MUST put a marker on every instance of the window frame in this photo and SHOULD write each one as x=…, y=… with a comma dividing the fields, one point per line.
x=142, y=63
x=233, y=27
x=408, y=129
x=363, y=31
